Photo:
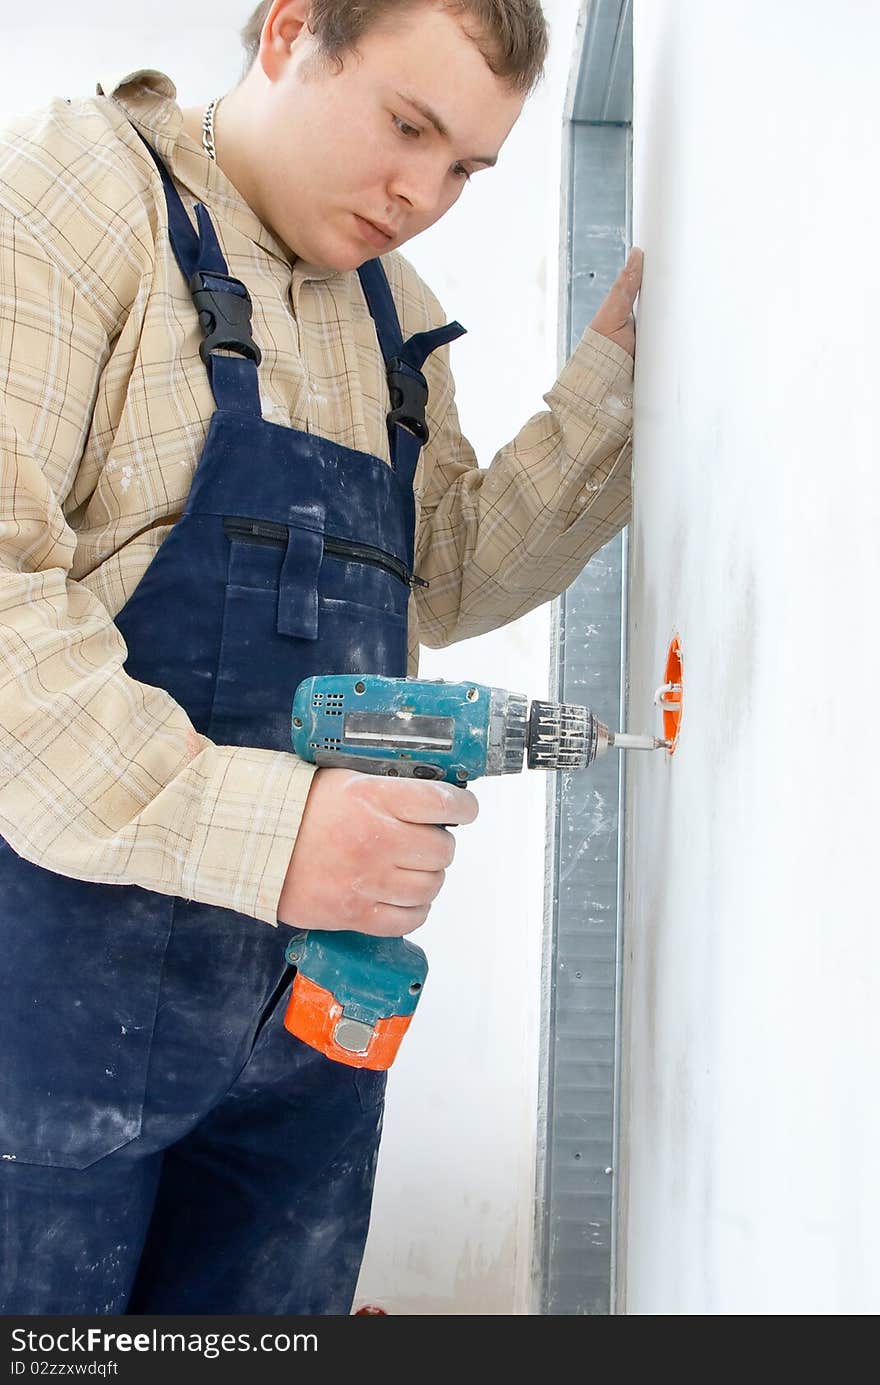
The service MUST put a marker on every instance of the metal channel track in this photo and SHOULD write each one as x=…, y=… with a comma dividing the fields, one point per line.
x=583, y=958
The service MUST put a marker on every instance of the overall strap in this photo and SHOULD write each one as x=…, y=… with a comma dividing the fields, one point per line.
x=223, y=303
x=407, y=386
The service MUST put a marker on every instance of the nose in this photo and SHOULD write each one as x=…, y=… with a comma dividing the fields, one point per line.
x=422, y=185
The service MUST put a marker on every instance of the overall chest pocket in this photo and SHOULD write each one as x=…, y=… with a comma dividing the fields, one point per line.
x=298, y=603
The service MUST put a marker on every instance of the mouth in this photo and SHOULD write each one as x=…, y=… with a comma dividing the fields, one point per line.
x=374, y=232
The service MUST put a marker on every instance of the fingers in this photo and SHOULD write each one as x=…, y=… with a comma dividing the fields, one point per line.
x=615, y=319
x=418, y=801
x=393, y=921
x=426, y=848
x=635, y=261
x=407, y=889
x=628, y=282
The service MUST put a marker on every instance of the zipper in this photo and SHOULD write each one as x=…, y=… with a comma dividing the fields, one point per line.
x=258, y=531
x=375, y=557
x=264, y=531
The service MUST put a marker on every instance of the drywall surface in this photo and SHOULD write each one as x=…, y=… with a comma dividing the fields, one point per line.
x=453, y=1218
x=750, y=1113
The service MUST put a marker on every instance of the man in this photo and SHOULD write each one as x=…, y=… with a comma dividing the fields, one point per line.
x=194, y=518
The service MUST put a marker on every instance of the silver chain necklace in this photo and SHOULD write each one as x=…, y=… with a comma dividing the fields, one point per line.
x=208, y=128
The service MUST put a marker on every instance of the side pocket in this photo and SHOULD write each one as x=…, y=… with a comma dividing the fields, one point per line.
x=78, y=996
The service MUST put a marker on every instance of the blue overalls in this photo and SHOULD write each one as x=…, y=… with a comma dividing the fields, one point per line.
x=166, y=1146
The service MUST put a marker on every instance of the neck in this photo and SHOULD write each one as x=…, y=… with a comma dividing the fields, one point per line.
x=231, y=145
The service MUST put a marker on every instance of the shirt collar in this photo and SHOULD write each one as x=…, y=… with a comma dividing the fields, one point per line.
x=149, y=100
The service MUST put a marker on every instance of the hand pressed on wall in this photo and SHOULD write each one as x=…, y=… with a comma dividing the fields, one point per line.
x=614, y=319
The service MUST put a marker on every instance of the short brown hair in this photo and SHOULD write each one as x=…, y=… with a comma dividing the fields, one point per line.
x=510, y=34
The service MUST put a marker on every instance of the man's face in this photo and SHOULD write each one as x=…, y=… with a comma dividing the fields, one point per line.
x=353, y=163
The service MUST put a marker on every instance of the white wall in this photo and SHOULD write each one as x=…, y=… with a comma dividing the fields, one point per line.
x=750, y=1113
x=453, y=1215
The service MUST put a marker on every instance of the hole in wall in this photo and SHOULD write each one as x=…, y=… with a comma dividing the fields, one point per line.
x=669, y=696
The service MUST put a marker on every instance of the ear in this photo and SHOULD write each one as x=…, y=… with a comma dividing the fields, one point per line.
x=286, y=20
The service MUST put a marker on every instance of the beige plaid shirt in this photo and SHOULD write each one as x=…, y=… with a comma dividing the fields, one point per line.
x=104, y=408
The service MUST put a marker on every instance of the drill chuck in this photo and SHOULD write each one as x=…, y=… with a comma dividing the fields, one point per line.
x=506, y=741
x=564, y=736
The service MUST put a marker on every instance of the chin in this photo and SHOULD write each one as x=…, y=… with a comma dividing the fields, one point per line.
x=353, y=260
x=337, y=259
x=339, y=253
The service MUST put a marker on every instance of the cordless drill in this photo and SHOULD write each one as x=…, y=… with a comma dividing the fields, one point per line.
x=354, y=995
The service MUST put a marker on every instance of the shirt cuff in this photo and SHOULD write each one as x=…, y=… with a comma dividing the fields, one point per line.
x=598, y=375
x=251, y=809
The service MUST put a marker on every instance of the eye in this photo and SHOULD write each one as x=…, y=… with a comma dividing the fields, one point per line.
x=408, y=131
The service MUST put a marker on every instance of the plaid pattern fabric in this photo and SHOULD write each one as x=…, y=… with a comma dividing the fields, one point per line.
x=104, y=408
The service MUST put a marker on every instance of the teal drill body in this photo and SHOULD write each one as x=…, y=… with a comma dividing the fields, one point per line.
x=406, y=727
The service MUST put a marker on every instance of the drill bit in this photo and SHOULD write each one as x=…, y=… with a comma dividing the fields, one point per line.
x=622, y=740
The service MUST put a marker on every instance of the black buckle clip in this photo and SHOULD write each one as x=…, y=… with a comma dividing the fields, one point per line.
x=408, y=389
x=224, y=308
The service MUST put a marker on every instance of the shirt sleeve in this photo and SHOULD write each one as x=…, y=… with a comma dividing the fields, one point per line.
x=101, y=777
x=496, y=542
